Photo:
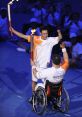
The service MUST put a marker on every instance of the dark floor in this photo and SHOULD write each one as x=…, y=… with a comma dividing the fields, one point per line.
x=15, y=85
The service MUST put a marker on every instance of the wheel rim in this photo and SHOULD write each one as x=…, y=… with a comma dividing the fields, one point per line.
x=39, y=101
x=65, y=100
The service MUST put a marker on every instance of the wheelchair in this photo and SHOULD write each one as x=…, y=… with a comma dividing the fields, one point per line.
x=49, y=95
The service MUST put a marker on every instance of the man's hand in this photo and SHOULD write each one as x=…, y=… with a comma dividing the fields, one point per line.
x=34, y=72
x=11, y=29
x=59, y=34
x=58, y=31
x=62, y=45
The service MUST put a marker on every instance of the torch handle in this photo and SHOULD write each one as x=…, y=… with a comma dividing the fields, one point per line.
x=9, y=18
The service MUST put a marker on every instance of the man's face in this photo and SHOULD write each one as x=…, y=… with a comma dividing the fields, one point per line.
x=44, y=34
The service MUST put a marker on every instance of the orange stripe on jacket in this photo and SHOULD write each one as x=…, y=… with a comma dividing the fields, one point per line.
x=36, y=41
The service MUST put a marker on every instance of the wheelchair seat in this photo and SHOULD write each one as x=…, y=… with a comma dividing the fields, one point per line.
x=53, y=90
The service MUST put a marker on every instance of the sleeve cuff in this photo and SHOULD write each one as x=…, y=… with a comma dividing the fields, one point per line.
x=64, y=50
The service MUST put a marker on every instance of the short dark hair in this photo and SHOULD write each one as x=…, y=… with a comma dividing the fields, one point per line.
x=56, y=59
x=43, y=28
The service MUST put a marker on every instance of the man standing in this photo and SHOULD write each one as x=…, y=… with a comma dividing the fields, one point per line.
x=42, y=47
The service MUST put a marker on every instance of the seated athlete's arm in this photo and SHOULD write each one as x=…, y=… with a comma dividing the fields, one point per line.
x=41, y=74
x=65, y=65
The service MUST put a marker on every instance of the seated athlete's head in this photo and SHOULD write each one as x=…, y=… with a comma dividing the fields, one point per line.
x=56, y=59
x=44, y=32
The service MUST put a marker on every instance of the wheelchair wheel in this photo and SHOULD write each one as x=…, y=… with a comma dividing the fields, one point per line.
x=64, y=100
x=39, y=101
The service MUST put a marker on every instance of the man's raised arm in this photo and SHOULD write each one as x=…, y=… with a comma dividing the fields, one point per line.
x=59, y=34
x=18, y=34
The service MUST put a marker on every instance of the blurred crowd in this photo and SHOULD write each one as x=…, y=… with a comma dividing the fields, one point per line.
x=53, y=15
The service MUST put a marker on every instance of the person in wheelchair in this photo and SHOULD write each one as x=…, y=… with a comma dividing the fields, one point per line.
x=55, y=74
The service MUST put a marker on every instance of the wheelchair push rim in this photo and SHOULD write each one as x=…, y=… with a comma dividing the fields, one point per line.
x=64, y=100
x=39, y=101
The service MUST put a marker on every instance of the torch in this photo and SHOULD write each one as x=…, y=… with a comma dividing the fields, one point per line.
x=9, y=13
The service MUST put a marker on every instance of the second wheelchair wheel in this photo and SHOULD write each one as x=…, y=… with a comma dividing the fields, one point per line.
x=39, y=101
x=64, y=100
